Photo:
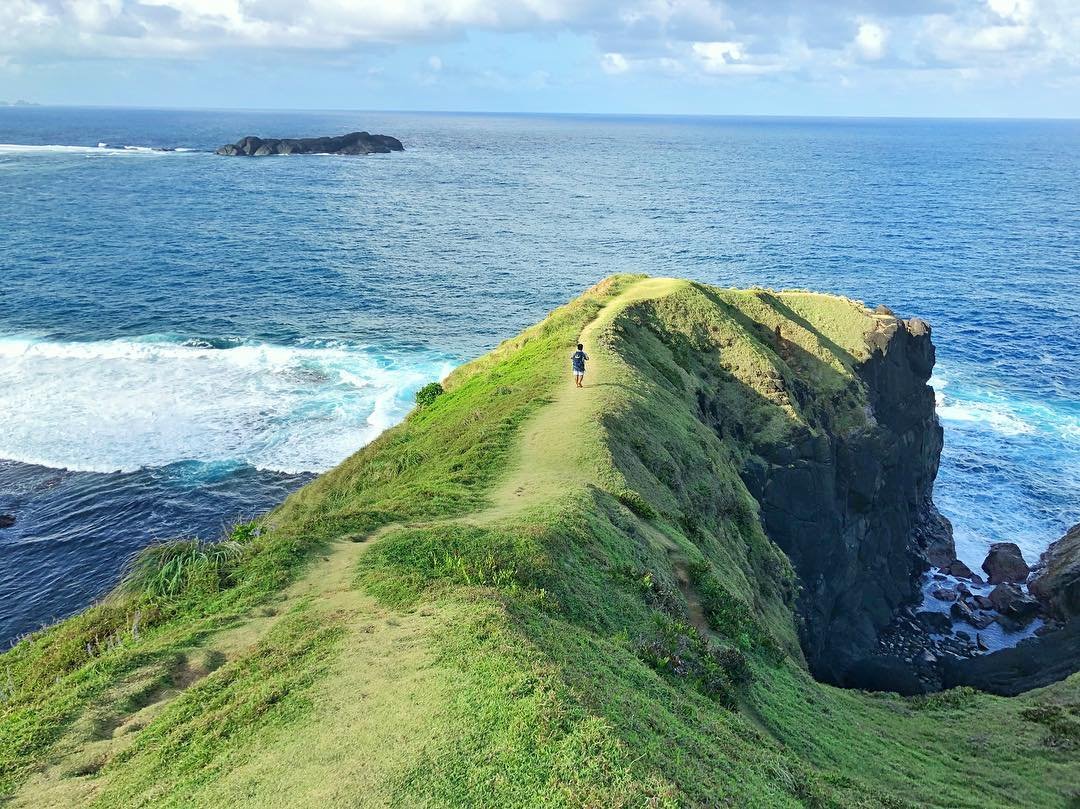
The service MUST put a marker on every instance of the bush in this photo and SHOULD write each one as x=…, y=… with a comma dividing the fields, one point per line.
x=732, y=660
x=429, y=393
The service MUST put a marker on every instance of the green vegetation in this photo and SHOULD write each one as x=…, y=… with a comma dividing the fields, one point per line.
x=525, y=594
x=427, y=394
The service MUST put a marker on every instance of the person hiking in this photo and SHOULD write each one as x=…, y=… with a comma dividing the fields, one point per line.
x=577, y=359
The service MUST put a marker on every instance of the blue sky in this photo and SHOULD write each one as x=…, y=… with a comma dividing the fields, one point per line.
x=781, y=57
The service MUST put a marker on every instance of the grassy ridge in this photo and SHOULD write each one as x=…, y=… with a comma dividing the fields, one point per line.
x=523, y=595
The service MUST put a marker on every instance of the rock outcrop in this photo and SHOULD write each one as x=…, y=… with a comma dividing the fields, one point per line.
x=355, y=143
x=1005, y=563
x=1010, y=600
x=854, y=511
x=1057, y=580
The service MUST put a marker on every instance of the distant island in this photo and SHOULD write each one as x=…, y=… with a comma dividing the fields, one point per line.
x=20, y=103
x=355, y=143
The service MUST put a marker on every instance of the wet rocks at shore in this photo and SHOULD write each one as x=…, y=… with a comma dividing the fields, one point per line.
x=959, y=607
x=354, y=143
x=1010, y=600
x=1005, y=563
x=1053, y=651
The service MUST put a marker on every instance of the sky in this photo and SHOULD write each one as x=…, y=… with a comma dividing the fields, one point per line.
x=984, y=58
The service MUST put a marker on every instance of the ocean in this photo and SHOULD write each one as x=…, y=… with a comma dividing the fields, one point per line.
x=185, y=338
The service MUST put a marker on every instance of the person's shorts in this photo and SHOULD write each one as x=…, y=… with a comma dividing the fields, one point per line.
x=579, y=372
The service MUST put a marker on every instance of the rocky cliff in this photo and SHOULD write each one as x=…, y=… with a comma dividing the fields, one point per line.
x=852, y=505
x=354, y=143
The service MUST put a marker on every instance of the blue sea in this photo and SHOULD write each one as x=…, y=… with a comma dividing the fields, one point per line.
x=186, y=338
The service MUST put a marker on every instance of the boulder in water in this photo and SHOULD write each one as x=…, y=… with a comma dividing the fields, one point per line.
x=7, y=520
x=1010, y=600
x=958, y=569
x=1005, y=563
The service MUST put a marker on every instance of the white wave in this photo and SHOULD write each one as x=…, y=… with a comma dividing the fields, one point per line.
x=998, y=417
x=124, y=404
x=101, y=148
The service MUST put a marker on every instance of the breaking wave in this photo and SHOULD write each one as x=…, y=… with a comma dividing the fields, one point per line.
x=100, y=148
x=120, y=405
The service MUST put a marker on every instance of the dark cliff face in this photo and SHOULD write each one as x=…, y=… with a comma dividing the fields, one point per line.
x=354, y=143
x=1057, y=579
x=854, y=510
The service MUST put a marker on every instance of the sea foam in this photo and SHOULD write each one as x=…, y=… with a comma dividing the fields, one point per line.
x=101, y=148
x=125, y=404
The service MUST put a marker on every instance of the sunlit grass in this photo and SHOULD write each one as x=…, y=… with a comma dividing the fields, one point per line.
x=522, y=597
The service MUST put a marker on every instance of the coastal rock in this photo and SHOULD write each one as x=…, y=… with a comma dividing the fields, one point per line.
x=934, y=622
x=944, y=594
x=961, y=612
x=354, y=143
x=1010, y=600
x=1057, y=582
x=1005, y=563
x=853, y=510
x=934, y=534
x=884, y=673
x=958, y=569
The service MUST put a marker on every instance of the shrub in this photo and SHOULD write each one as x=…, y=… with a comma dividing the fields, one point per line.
x=954, y=698
x=428, y=394
x=636, y=503
x=678, y=649
x=734, y=663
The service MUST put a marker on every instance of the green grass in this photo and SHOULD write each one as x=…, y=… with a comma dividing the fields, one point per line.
x=217, y=722
x=523, y=595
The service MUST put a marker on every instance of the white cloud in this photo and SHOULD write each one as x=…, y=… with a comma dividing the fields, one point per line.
x=967, y=43
x=730, y=58
x=1014, y=10
x=614, y=63
x=718, y=57
x=711, y=39
x=870, y=41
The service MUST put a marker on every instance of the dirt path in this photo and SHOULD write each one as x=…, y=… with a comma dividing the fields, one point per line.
x=558, y=442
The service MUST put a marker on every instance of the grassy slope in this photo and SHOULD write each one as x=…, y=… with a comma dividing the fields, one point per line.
x=551, y=596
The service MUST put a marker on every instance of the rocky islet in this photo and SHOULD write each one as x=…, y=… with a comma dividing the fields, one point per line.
x=354, y=143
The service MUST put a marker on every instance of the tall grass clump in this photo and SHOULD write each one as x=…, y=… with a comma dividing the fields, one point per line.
x=167, y=570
